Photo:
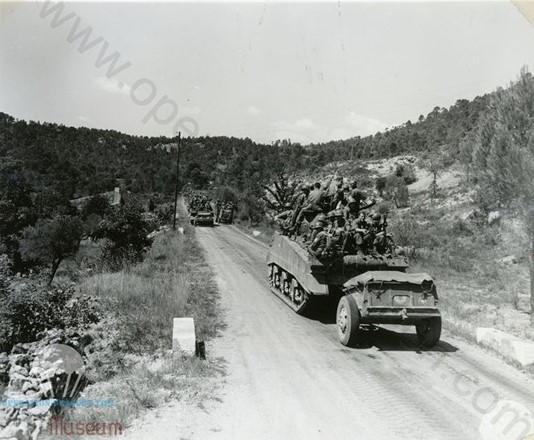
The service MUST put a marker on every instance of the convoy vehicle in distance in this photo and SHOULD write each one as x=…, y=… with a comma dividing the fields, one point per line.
x=204, y=217
x=372, y=289
x=227, y=215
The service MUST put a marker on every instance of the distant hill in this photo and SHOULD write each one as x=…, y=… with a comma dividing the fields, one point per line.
x=80, y=161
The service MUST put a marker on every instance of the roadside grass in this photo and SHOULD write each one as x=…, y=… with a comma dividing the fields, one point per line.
x=137, y=368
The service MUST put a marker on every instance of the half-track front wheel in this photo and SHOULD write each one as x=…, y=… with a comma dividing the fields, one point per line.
x=348, y=321
x=429, y=331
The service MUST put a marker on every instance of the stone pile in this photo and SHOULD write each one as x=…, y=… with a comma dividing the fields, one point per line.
x=36, y=378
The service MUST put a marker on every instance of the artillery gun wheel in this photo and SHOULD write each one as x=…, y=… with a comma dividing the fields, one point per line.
x=288, y=289
x=348, y=321
x=429, y=331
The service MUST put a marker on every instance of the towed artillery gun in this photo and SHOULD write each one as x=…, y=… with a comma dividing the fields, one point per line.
x=372, y=289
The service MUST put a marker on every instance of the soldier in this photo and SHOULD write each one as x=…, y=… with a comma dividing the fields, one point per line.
x=315, y=199
x=318, y=225
x=299, y=202
x=375, y=240
x=218, y=207
x=337, y=196
x=284, y=221
x=320, y=240
x=338, y=233
x=359, y=230
x=332, y=186
x=354, y=206
x=313, y=205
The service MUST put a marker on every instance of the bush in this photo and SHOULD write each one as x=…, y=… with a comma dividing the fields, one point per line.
x=125, y=233
x=251, y=208
x=402, y=195
x=27, y=312
x=164, y=212
x=406, y=172
x=381, y=185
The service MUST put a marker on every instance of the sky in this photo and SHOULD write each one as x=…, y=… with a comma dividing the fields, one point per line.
x=306, y=71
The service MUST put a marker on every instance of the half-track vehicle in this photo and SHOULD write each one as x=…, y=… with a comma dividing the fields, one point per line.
x=372, y=289
x=204, y=217
x=227, y=215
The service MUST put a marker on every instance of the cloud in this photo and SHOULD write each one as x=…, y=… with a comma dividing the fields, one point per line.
x=253, y=110
x=85, y=119
x=302, y=130
x=305, y=131
x=110, y=86
x=362, y=125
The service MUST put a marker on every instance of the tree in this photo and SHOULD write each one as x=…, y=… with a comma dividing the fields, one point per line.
x=49, y=203
x=504, y=157
x=16, y=209
x=98, y=205
x=278, y=196
x=126, y=232
x=50, y=241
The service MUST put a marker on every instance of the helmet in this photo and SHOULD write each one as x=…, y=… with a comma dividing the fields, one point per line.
x=377, y=217
x=320, y=218
x=351, y=201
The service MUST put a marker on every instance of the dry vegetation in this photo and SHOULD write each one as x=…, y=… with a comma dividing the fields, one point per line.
x=135, y=366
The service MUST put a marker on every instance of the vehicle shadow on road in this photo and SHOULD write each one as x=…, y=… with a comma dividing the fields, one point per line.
x=383, y=339
x=389, y=340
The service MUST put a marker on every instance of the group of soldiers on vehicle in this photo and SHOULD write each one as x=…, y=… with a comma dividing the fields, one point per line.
x=336, y=219
x=199, y=202
x=222, y=212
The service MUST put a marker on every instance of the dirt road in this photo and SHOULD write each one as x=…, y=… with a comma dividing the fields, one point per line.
x=290, y=378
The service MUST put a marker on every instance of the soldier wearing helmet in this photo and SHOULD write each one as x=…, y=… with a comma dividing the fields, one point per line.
x=354, y=204
x=319, y=240
x=318, y=225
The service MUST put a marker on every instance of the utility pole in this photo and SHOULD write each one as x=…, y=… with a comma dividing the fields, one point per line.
x=177, y=178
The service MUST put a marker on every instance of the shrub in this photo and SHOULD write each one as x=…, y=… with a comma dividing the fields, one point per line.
x=126, y=233
x=164, y=212
x=28, y=311
x=406, y=172
x=381, y=185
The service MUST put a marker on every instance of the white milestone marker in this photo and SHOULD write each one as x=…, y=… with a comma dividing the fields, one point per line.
x=183, y=336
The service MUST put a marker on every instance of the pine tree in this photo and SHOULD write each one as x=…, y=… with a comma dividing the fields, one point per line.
x=504, y=157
